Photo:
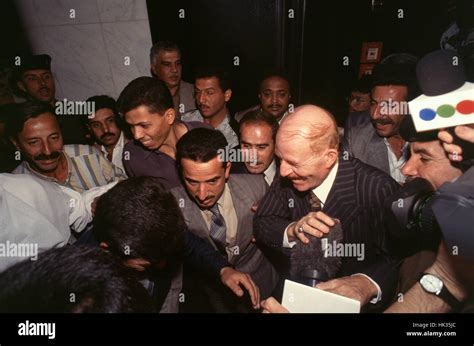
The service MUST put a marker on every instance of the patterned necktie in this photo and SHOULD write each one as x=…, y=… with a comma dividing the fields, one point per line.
x=218, y=228
x=314, y=202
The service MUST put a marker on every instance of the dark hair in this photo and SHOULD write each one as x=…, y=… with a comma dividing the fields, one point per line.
x=22, y=112
x=215, y=71
x=362, y=85
x=258, y=116
x=145, y=91
x=72, y=279
x=103, y=101
x=138, y=218
x=397, y=74
x=160, y=46
x=200, y=145
x=270, y=73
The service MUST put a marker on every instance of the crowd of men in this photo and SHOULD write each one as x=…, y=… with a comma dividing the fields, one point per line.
x=166, y=201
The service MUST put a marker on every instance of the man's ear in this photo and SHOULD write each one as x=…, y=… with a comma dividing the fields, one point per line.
x=152, y=71
x=331, y=157
x=170, y=115
x=227, y=95
x=227, y=170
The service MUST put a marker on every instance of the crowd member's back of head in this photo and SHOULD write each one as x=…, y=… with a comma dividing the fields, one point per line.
x=130, y=228
x=72, y=279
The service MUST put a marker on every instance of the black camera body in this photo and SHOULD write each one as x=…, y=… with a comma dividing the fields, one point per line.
x=409, y=212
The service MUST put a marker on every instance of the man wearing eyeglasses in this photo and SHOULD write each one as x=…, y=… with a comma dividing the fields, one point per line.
x=379, y=143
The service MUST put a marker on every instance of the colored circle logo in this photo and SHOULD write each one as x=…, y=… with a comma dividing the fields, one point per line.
x=465, y=107
x=446, y=111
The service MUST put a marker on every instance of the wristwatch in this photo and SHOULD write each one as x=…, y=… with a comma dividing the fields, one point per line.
x=434, y=285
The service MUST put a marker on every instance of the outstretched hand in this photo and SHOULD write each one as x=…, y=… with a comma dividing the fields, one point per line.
x=233, y=279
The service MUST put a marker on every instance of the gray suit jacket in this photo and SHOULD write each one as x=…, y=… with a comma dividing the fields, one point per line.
x=246, y=190
x=186, y=96
x=363, y=143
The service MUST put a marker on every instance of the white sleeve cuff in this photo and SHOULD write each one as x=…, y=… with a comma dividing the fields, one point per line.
x=286, y=243
x=378, y=298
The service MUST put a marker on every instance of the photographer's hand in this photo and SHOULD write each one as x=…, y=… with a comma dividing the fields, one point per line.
x=455, y=151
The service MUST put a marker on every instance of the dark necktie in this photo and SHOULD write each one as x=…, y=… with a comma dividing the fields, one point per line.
x=314, y=202
x=218, y=228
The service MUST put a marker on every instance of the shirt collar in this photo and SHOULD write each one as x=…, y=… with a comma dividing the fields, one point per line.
x=322, y=191
x=198, y=117
x=119, y=144
x=404, y=148
x=270, y=172
x=223, y=200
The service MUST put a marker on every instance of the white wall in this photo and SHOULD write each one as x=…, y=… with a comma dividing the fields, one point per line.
x=89, y=51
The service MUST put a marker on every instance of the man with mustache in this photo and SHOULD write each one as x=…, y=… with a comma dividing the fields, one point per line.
x=35, y=132
x=212, y=92
x=379, y=143
x=314, y=190
x=32, y=79
x=165, y=59
x=217, y=207
x=257, y=139
x=105, y=130
x=274, y=96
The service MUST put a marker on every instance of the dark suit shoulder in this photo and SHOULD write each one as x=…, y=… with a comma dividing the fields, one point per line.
x=373, y=181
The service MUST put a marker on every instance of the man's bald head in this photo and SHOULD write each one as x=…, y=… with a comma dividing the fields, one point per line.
x=307, y=145
x=312, y=123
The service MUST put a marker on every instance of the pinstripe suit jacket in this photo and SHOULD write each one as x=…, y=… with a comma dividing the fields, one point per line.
x=356, y=199
x=246, y=190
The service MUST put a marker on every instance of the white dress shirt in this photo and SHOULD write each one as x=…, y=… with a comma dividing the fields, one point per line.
x=269, y=173
x=322, y=192
x=395, y=164
x=40, y=213
x=116, y=153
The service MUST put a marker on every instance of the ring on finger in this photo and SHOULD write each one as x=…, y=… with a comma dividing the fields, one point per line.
x=300, y=229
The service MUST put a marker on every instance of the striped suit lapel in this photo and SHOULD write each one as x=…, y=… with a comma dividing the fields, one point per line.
x=342, y=199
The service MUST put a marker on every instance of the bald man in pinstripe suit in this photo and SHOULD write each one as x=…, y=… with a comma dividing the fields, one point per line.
x=317, y=188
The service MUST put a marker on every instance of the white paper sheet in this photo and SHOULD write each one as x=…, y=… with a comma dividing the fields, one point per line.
x=298, y=298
